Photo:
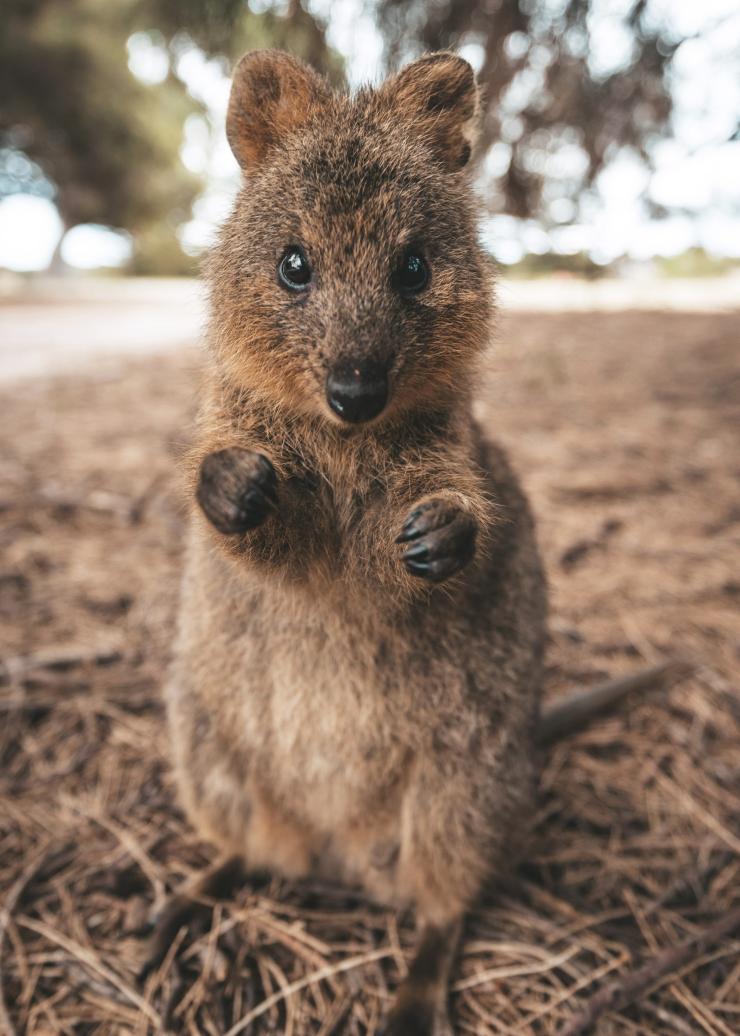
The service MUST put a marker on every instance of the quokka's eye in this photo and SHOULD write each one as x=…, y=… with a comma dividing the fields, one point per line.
x=413, y=274
x=294, y=272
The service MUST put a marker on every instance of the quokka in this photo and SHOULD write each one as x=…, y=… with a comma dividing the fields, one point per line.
x=356, y=683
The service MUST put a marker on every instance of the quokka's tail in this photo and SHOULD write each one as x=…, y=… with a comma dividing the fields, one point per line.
x=579, y=707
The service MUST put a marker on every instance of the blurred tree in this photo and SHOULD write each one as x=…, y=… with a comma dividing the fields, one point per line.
x=75, y=122
x=555, y=105
x=108, y=143
x=230, y=27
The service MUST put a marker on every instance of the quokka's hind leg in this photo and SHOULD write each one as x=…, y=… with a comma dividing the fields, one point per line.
x=192, y=906
x=420, y=1007
x=450, y=807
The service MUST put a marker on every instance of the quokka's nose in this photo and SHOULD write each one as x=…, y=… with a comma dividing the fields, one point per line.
x=357, y=390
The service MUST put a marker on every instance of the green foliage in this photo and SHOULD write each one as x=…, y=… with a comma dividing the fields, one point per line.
x=695, y=262
x=580, y=265
x=158, y=251
x=209, y=23
x=72, y=114
x=108, y=143
x=229, y=28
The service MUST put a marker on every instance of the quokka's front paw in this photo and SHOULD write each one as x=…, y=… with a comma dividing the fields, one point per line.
x=237, y=489
x=441, y=539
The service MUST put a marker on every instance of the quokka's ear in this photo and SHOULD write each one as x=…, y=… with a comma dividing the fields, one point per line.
x=438, y=97
x=271, y=94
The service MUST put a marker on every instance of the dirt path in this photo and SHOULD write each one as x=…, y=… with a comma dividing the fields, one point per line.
x=57, y=326
x=68, y=326
x=626, y=429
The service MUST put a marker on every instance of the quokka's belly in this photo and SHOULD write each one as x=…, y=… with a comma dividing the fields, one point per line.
x=328, y=767
x=297, y=800
x=366, y=851
x=331, y=748
x=291, y=752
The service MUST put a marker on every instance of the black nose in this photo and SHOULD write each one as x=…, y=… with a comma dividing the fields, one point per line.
x=357, y=390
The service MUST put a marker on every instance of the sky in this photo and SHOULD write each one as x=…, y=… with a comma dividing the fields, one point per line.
x=697, y=173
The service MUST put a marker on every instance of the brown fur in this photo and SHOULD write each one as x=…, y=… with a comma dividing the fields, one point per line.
x=330, y=711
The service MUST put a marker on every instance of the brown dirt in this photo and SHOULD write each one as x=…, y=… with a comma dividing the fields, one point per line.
x=625, y=428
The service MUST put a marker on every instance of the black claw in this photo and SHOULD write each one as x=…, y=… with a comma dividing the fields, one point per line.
x=434, y=571
x=442, y=540
x=420, y=568
x=419, y=552
x=415, y=526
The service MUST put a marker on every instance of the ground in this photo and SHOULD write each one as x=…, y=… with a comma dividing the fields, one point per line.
x=625, y=427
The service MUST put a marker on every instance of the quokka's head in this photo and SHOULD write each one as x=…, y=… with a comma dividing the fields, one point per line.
x=348, y=282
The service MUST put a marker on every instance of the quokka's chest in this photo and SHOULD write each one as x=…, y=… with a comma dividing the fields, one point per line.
x=338, y=488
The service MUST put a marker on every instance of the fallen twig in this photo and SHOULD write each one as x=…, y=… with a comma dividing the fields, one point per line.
x=315, y=976
x=623, y=991
x=59, y=659
x=92, y=960
x=11, y=902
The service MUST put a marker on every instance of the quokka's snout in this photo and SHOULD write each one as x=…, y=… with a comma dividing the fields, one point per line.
x=357, y=390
